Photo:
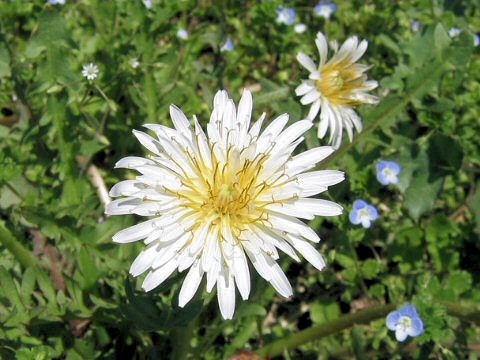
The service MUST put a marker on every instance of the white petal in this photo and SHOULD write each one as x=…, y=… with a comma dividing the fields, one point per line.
x=314, y=110
x=244, y=113
x=322, y=46
x=304, y=88
x=307, y=251
x=147, y=141
x=135, y=232
x=226, y=294
x=180, y=121
x=307, y=160
x=126, y=188
x=242, y=274
x=156, y=277
x=292, y=225
x=255, y=129
x=278, y=279
x=293, y=132
x=144, y=260
x=310, y=97
x=122, y=206
x=318, y=207
x=358, y=53
x=131, y=162
x=306, y=61
x=190, y=284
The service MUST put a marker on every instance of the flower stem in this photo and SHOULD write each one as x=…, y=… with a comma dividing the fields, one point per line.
x=344, y=322
x=22, y=254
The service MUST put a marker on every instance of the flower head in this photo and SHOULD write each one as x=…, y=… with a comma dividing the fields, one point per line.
x=454, y=32
x=228, y=45
x=134, y=63
x=363, y=213
x=182, y=34
x=415, y=25
x=405, y=322
x=57, y=2
x=336, y=87
x=325, y=9
x=219, y=198
x=300, y=28
x=90, y=71
x=286, y=16
x=388, y=171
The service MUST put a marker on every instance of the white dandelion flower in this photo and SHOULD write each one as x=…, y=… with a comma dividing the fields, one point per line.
x=90, y=71
x=220, y=198
x=335, y=87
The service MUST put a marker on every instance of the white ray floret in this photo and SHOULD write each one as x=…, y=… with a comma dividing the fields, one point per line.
x=220, y=198
x=335, y=87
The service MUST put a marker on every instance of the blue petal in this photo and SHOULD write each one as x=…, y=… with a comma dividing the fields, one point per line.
x=408, y=310
x=359, y=204
x=382, y=165
x=417, y=327
x=366, y=223
x=372, y=212
x=396, y=167
x=381, y=178
x=354, y=217
x=392, y=320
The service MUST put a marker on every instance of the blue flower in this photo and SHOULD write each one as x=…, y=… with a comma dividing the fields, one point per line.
x=415, y=25
x=286, y=16
x=363, y=213
x=325, y=9
x=454, y=32
x=405, y=322
x=476, y=39
x=228, y=45
x=388, y=171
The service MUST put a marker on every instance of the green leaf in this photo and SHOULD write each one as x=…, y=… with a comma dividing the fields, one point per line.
x=10, y=289
x=423, y=190
x=324, y=311
x=370, y=268
x=4, y=60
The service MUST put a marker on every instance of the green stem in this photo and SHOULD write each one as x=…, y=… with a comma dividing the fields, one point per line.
x=315, y=332
x=23, y=255
x=346, y=321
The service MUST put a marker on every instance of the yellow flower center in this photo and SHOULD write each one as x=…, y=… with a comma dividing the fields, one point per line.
x=339, y=81
x=228, y=192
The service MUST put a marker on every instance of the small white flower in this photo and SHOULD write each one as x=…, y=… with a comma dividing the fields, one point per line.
x=227, y=45
x=134, y=63
x=454, y=32
x=148, y=3
x=300, y=28
x=336, y=87
x=182, y=34
x=221, y=198
x=90, y=71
